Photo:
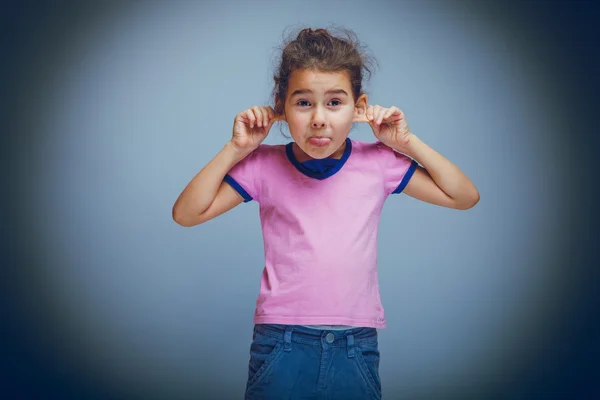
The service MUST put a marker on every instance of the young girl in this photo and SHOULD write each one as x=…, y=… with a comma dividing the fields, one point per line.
x=320, y=196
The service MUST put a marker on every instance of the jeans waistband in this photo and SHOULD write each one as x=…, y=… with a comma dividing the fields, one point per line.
x=311, y=336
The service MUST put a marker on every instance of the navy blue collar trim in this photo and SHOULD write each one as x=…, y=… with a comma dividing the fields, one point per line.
x=312, y=174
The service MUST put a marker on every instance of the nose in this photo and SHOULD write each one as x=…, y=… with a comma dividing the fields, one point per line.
x=318, y=120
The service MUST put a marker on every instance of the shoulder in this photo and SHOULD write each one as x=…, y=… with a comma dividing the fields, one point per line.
x=266, y=152
x=361, y=146
x=270, y=149
x=370, y=150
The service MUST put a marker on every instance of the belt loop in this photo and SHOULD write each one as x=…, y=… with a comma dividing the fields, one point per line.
x=350, y=342
x=287, y=338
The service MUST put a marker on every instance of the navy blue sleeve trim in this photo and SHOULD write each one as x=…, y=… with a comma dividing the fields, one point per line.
x=407, y=176
x=238, y=188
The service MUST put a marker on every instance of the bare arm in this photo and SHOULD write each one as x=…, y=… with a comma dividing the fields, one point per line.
x=440, y=182
x=207, y=196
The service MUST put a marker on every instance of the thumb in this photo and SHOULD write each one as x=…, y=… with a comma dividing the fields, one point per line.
x=360, y=118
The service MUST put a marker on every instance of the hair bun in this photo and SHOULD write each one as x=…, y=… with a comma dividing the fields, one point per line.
x=305, y=32
x=308, y=32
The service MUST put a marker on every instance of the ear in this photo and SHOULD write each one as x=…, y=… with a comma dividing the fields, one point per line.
x=360, y=109
x=279, y=104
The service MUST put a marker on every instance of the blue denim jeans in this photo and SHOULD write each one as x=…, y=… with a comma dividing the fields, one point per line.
x=297, y=362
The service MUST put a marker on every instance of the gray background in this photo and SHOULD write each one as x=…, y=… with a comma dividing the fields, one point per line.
x=114, y=108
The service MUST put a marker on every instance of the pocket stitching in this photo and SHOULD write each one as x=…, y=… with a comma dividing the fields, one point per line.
x=262, y=371
x=366, y=371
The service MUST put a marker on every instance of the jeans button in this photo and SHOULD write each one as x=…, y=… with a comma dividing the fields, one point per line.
x=330, y=337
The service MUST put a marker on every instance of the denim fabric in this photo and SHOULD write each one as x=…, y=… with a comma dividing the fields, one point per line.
x=297, y=362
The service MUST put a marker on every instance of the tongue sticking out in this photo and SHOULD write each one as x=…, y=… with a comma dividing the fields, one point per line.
x=320, y=142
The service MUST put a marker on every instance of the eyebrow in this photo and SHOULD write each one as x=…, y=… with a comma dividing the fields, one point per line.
x=305, y=91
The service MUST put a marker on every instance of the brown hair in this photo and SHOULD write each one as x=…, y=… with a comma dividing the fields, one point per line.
x=322, y=51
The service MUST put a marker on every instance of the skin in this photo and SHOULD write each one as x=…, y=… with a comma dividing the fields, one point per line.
x=311, y=110
x=317, y=112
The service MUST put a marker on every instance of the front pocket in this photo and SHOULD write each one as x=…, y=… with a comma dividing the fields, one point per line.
x=264, y=350
x=367, y=357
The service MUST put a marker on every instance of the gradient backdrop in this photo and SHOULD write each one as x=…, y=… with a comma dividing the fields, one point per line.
x=111, y=108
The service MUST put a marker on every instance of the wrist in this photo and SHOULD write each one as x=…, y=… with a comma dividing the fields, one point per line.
x=409, y=145
x=234, y=153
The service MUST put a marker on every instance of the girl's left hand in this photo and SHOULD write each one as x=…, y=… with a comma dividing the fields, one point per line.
x=389, y=126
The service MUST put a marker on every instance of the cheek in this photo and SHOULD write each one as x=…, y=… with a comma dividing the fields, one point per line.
x=292, y=123
x=297, y=123
x=295, y=129
x=343, y=119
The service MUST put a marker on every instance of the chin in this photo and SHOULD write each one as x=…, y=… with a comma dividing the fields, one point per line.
x=319, y=152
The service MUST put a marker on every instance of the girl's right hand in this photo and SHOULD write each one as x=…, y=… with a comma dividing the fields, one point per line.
x=251, y=127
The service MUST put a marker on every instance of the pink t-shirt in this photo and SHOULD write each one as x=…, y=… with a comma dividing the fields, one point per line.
x=320, y=233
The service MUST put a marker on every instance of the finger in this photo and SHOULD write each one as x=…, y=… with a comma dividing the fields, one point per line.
x=370, y=113
x=251, y=118
x=270, y=112
x=376, y=109
x=380, y=112
x=383, y=116
x=270, y=115
x=241, y=117
x=360, y=118
x=390, y=112
x=400, y=114
x=261, y=116
x=258, y=115
x=266, y=116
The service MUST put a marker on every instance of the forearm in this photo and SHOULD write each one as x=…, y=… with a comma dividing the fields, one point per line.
x=202, y=189
x=447, y=176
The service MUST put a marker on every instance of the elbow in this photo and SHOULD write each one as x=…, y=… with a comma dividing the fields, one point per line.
x=181, y=218
x=183, y=223
x=469, y=201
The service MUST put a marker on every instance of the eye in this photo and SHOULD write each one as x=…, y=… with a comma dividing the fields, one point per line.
x=301, y=101
x=336, y=101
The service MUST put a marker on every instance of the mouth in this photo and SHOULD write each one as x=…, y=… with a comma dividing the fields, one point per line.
x=319, y=141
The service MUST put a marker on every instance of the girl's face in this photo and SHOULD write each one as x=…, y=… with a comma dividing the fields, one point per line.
x=319, y=110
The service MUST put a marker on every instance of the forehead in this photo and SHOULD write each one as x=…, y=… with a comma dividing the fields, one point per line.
x=318, y=81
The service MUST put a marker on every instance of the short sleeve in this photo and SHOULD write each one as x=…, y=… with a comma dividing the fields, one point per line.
x=397, y=169
x=243, y=177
